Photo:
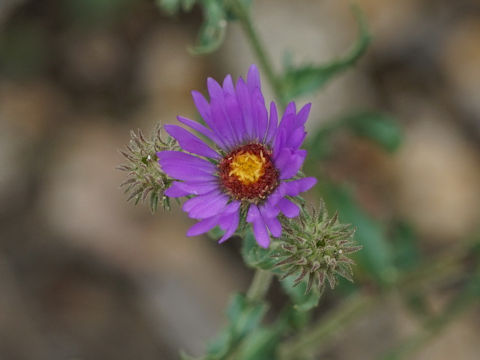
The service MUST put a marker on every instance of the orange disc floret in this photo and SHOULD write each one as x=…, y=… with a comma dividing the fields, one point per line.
x=248, y=173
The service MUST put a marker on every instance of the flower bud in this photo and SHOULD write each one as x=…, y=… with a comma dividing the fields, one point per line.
x=316, y=247
x=145, y=179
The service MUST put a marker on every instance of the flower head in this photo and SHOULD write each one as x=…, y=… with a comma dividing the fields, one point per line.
x=252, y=167
x=317, y=247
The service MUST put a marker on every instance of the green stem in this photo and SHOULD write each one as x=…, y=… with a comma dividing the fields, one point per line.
x=259, y=286
x=251, y=34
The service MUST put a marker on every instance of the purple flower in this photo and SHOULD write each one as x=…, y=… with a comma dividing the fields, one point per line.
x=251, y=170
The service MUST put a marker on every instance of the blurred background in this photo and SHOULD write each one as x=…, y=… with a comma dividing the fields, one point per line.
x=86, y=275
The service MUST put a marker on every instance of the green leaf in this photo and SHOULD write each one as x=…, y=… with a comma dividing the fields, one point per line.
x=96, y=12
x=244, y=317
x=185, y=356
x=376, y=256
x=216, y=233
x=213, y=29
x=310, y=78
x=231, y=14
x=219, y=346
x=405, y=247
x=380, y=128
x=260, y=345
x=256, y=256
x=319, y=145
x=173, y=6
x=301, y=301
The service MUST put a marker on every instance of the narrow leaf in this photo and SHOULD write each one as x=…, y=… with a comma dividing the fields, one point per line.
x=310, y=78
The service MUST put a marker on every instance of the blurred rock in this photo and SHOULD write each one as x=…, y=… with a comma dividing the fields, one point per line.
x=167, y=74
x=437, y=173
x=392, y=22
x=81, y=195
x=32, y=107
x=93, y=58
x=389, y=323
x=28, y=110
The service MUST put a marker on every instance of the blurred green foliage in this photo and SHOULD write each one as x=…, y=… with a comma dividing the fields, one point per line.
x=216, y=14
x=244, y=316
x=96, y=12
x=376, y=257
x=23, y=50
x=300, y=299
x=382, y=129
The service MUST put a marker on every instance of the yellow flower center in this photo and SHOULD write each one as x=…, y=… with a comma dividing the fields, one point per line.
x=247, y=167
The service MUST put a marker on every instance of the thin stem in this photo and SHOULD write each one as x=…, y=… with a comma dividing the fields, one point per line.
x=310, y=340
x=255, y=42
x=260, y=285
x=462, y=302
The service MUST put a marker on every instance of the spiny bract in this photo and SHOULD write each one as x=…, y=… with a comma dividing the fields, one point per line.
x=316, y=247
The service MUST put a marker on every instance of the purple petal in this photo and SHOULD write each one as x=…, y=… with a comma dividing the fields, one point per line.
x=231, y=225
x=206, y=113
x=176, y=190
x=288, y=123
x=214, y=89
x=272, y=123
x=288, y=208
x=259, y=228
x=228, y=86
x=283, y=158
x=270, y=219
x=302, y=115
x=290, y=109
x=234, y=114
x=200, y=128
x=295, y=187
x=180, y=172
x=191, y=203
x=274, y=226
x=280, y=139
x=260, y=113
x=221, y=122
x=192, y=188
x=190, y=142
x=296, y=138
x=183, y=166
x=202, y=226
x=261, y=234
x=202, y=106
x=225, y=217
x=253, y=78
x=290, y=163
x=268, y=210
x=243, y=97
x=178, y=157
x=275, y=197
x=205, y=206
